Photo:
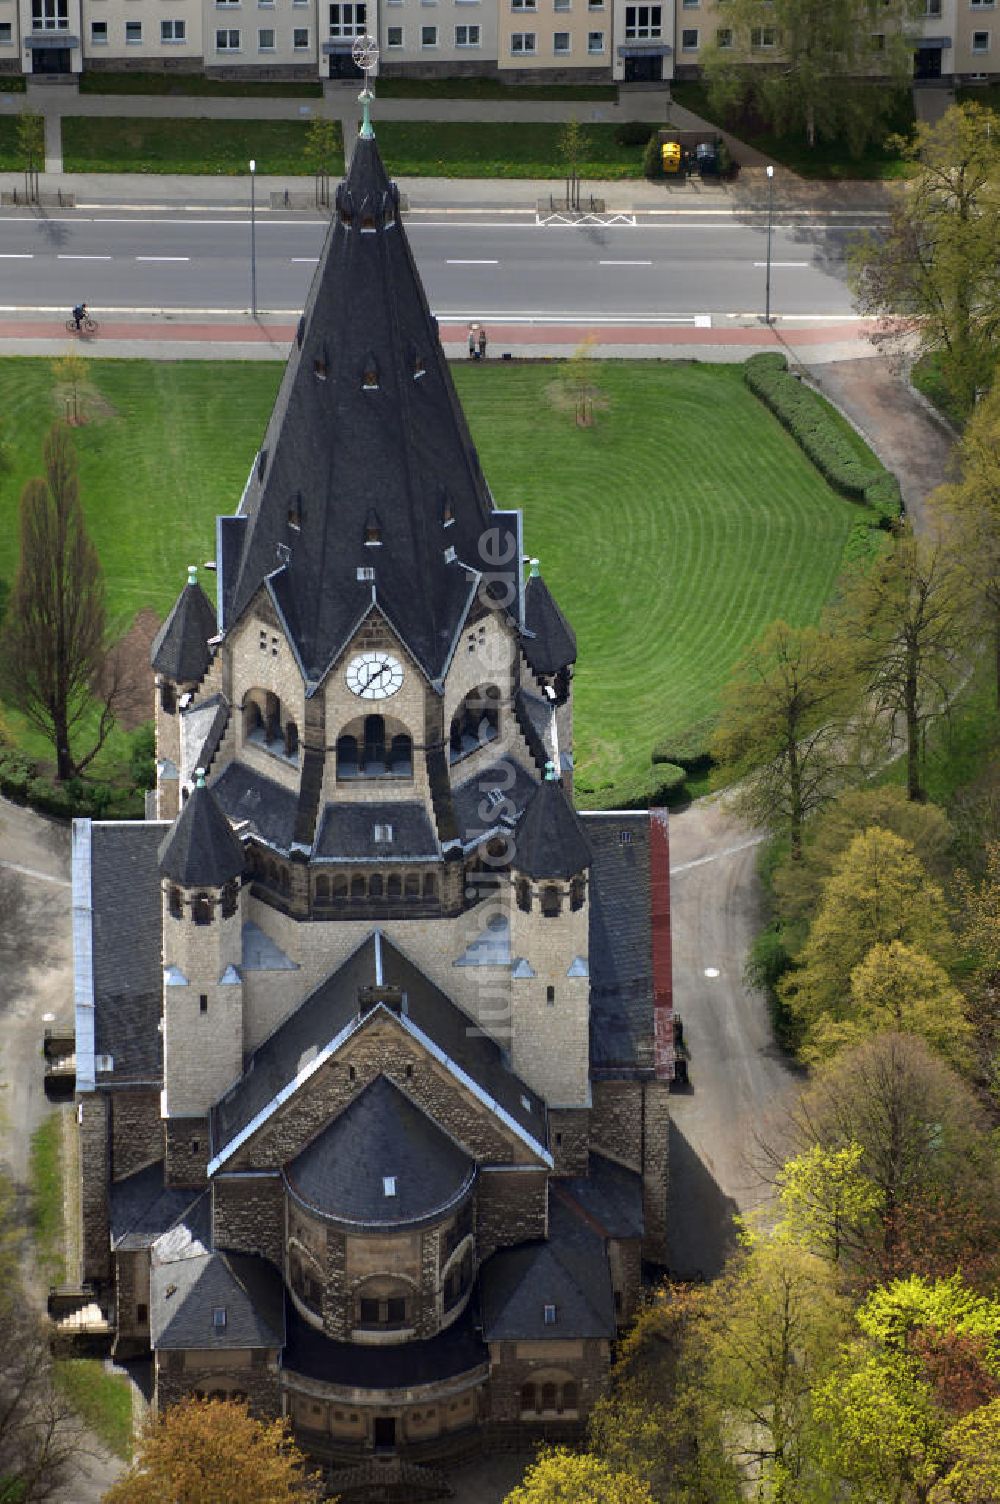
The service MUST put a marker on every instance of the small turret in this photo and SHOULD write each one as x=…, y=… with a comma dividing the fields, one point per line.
x=180, y=656
x=201, y=866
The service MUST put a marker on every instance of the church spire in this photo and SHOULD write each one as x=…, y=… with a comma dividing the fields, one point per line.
x=366, y=421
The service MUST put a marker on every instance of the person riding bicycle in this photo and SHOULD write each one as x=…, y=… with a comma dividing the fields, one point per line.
x=79, y=314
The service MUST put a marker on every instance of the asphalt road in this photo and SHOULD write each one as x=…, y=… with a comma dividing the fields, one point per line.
x=492, y=266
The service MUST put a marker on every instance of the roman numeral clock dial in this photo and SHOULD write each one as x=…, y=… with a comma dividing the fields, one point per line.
x=374, y=676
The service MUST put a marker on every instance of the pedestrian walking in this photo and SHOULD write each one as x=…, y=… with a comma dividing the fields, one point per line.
x=482, y=344
x=472, y=341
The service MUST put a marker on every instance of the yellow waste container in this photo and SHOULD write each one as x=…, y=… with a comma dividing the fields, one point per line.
x=670, y=153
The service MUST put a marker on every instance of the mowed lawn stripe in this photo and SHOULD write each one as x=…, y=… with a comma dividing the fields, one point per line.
x=672, y=531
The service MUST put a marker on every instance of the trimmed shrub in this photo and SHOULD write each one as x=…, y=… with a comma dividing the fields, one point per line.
x=16, y=772
x=689, y=750
x=652, y=161
x=142, y=756
x=807, y=420
x=634, y=133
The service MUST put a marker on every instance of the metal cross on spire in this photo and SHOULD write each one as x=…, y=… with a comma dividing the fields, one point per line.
x=365, y=55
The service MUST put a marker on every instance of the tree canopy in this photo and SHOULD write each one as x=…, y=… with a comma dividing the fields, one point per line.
x=563, y=1477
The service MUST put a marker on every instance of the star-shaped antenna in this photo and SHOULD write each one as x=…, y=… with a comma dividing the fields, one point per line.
x=365, y=55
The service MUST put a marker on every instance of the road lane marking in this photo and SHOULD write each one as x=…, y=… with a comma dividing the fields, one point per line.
x=456, y=262
x=163, y=258
x=624, y=263
x=782, y=263
x=717, y=856
x=66, y=257
x=17, y=256
x=309, y=260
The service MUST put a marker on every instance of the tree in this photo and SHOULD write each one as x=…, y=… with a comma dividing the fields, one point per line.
x=898, y=988
x=881, y=1432
x=776, y=1321
x=207, y=1451
x=878, y=892
x=31, y=148
x=905, y=616
x=53, y=644
x=572, y=144
x=972, y=1448
x=825, y=73
x=320, y=150
x=927, y=1155
x=563, y=1477
x=71, y=371
x=932, y=276
x=656, y=1421
x=825, y=1197
x=969, y=514
x=781, y=727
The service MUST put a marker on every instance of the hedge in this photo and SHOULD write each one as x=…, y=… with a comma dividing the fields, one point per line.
x=809, y=422
x=662, y=784
x=689, y=749
x=21, y=779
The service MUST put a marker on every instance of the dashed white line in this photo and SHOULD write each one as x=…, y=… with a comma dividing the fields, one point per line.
x=17, y=256
x=471, y=263
x=308, y=260
x=163, y=258
x=66, y=257
x=782, y=263
x=624, y=263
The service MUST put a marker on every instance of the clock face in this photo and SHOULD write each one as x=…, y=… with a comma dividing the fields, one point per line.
x=374, y=676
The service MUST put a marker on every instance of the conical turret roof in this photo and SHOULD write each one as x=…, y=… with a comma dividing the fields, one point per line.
x=201, y=849
x=550, y=642
x=549, y=840
x=366, y=425
x=180, y=649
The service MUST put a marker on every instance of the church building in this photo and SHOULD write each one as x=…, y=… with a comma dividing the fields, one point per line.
x=373, y=1029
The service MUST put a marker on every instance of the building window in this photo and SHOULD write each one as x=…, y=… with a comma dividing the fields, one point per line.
x=689, y=39
x=173, y=31
x=550, y=1316
x=265, y=39
x=524, y=895
x=724, y=37
x=133, y=33
x=982, y=4
x=595, y=41
x=203, y=1002
x=523, y=5
x=142, y=1314
x=394, y=36
x=560, y=41
x=643, y=22
x=174, y=897
x=300, y=38
x=562, y=5
x=99, y=38
x=522, y=42
x=550, y=995
x=932, y=8
x=227, y=40
x=761, y=37
x=428, y=36
x=347, y=20
x=878, y=41
x=49, y=15
x=466, y=36
x=201, y=909
x=980, y=41
x=577, y=893
x=551, y=902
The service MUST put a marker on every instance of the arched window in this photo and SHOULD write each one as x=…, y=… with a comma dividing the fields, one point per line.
x=339, y=887
x=548, y=1396
x=357, y=886
x=252, y=719
x=570, y=1398
x=551, y=902
x=175, y=903
x=524, y=894
x=230, y=899
x=401, y=757
x=323, y=889
x=374, y=745
x=528, y=1398
x=475, y=722
x=430, y=885
x=168, y=697
x=272, y=718
x=375, y=885
x=394, y=886
x=291, y=739
x=412, y=885
x=201, y=909
x=347, y=757
x=577, y=893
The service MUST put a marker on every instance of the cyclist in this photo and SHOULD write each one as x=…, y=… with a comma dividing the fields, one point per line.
x=79, y=314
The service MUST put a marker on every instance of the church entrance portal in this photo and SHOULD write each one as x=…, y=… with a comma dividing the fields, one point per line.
x=385, y=1433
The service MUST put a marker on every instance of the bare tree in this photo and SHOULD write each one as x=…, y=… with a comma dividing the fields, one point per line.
x=31, y=148
x=53, y=642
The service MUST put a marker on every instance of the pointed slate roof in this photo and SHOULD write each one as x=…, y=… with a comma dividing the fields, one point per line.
x=553, y=645
x=549, y=840
x=202, y=848
x=381, y=1140
x=186, y=1293
x=180, y=649
x=366, y=421
x=568, y=1270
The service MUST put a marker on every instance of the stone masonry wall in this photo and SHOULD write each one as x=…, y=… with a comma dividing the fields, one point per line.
x=95, y=1176
x=569, y=1140
x=616, y=1121
x=187, y=1151
x=249, y=1216
x=655, y=1169
x=511, y=1207
x=136, y=1132
x=515, y=1363
x=244, y=1374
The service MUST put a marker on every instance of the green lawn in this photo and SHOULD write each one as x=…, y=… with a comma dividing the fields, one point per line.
x=499, y=149
x=12, y=83
x=827, y=159
x=10, y=160
x=672, y=531
x=102, y=1400
x=488, y=88
x=195, y=84
x=47, y=1197
x=121, y=144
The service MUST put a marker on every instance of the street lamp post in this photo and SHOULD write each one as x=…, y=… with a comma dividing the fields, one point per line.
x=253, y=239
x=770, y=221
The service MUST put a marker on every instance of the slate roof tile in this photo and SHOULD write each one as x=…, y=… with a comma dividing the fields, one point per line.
x=346, y=831
x=459, y=1349
x=550, y=840
x=553, y=643
x=202, y=847
x=621, y=947
x=185, y=1294
x=568, y=1270
x=180, y=649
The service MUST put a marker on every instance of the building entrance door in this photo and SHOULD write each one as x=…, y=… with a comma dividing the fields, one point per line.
x=51, y=60
x=643, y=70
x=385, y=1433
x=927, y=63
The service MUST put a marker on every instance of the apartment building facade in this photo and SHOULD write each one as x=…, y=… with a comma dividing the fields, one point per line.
x=599, y=41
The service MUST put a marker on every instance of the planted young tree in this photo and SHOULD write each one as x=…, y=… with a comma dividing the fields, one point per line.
x=71, y=371
x=213, y=1452
x=320, y=151
x=907, y=618
x=572, y=144
x=932, y=276
x=782, y=727
x=53, y=644
x=31, y=149
x=814, y=66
